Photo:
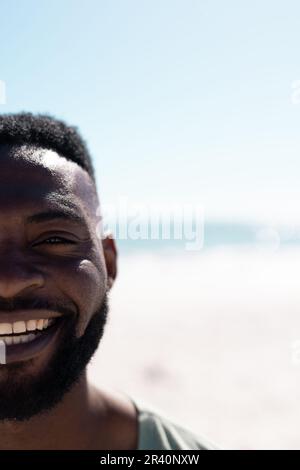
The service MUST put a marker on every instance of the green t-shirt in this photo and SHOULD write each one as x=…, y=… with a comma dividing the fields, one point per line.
x=157, y=432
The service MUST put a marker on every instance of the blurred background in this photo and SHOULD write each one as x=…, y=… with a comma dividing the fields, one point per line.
x=191, y=102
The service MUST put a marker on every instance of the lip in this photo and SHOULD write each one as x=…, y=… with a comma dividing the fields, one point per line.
x=24, y=351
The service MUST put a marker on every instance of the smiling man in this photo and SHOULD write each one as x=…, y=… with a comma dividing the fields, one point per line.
x=56, y=271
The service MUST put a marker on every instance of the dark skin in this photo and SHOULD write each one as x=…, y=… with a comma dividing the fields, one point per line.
x=33, y=181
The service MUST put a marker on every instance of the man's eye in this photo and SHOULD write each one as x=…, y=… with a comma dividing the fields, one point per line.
x=57, y=241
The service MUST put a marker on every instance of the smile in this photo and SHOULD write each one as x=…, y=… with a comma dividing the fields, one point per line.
x=24, y=332
x=25, y=339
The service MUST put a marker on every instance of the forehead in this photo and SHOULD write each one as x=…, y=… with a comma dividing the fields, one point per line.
x=31, y=177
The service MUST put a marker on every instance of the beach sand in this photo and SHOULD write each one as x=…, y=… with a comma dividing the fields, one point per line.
x=212, y=339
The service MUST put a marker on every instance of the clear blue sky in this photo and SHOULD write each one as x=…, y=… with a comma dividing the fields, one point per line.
x=179, y=100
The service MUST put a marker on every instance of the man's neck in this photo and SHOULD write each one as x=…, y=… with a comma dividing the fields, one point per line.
x=86, y=418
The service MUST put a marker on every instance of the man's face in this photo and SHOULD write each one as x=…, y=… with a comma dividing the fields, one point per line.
x=53, y=278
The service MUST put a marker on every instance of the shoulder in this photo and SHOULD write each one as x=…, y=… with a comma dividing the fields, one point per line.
x=159, y=432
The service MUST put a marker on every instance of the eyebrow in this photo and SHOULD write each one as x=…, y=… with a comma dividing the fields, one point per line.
x=65, y=213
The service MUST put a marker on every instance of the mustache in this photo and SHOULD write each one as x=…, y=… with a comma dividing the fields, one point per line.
x=18, y=303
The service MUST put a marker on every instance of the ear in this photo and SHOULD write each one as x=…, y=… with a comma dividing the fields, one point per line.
x=110, y=255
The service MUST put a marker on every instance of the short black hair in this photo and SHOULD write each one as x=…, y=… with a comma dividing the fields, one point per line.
x=45, y=131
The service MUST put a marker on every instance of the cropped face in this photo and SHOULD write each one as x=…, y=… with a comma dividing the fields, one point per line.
x=55, y=272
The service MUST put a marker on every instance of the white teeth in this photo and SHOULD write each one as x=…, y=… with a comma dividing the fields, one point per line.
x=18, y=339
x=29, y=338
x=5, y=328
x=19, y=327
x=7, y=340
x=31, y=325
x=13, y=329
x=40, y=324
x=23, y=338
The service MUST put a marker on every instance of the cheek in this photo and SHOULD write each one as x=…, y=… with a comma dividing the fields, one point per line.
x=91, y=288
x=85, y=284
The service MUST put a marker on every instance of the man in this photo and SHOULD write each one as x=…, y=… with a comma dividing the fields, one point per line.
x=55, y=274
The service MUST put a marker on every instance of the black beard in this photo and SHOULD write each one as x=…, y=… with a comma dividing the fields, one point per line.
x=35, y=395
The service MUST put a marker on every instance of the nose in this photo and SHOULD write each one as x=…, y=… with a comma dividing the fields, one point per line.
x=17, y=276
